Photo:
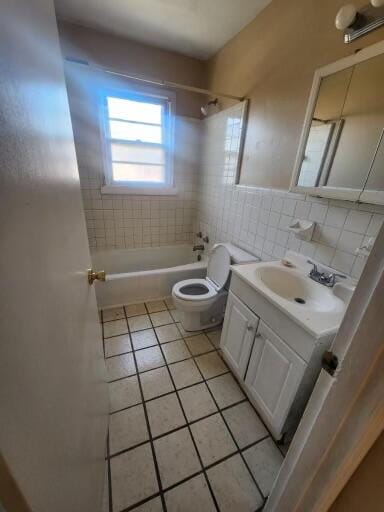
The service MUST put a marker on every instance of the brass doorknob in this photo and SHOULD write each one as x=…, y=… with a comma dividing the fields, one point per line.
x=92, y=275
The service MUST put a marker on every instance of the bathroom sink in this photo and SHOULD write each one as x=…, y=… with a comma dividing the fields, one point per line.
x=292, y=286
x=317, y=308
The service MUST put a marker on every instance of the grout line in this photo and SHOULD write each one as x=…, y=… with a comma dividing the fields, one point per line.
x=142, y=502
x=155, y=438
x=258, y=415
x=188, y=423
x=170, y=364
x=233, y=437
x=149, y=433
x=189, y=429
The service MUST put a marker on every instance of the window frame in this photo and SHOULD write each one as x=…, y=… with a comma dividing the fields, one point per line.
x=146, y=95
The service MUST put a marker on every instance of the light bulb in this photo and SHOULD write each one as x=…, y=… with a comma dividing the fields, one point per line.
x=346, y=16
x=377, y=3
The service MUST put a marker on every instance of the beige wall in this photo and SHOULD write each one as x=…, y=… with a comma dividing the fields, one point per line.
x=365, y=490
x=272, y=61
x=121, y=54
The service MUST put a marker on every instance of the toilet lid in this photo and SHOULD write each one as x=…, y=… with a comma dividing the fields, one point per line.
x=219, y=266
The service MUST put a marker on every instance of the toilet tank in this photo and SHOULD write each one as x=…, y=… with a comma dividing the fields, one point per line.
x=238, y=255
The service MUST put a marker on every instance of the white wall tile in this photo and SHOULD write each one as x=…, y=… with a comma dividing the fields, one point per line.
x=357, y=221
x=224, y=212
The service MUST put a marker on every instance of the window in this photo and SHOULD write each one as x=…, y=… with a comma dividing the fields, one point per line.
x=138, y=140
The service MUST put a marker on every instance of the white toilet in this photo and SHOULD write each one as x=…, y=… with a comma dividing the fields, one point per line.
x=201, y=302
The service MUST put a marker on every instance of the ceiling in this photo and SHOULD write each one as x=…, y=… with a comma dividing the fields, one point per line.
x=198, y=28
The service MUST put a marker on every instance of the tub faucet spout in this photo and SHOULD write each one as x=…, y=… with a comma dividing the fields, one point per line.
x=198, y=248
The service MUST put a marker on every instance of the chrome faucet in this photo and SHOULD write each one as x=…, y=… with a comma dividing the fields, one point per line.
x=198, y=248
x=324, y=278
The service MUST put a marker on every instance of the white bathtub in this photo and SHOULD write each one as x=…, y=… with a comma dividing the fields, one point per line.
x=135, y=275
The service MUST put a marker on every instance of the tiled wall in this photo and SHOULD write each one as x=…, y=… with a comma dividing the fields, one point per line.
x=125, y=221
x=256, y=218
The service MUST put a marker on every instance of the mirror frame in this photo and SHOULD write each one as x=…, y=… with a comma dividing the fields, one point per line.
x=347, y=194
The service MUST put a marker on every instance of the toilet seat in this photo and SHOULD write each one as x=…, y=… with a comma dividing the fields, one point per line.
x=188, y=290
x=198, y=290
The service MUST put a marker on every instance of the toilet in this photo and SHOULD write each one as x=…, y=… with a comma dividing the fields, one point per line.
x=201, y=302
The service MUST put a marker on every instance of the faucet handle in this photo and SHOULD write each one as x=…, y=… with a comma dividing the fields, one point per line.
x=332, y=278
x=315, y=269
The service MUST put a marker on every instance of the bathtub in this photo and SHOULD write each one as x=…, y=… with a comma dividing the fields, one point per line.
x=135, y=275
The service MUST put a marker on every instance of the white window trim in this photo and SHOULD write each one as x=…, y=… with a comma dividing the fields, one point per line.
x=139, y=188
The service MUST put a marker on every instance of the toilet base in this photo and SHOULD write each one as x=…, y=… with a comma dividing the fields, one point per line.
x=196, y=321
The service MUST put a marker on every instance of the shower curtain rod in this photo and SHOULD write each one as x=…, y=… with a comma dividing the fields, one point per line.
x=161, y=83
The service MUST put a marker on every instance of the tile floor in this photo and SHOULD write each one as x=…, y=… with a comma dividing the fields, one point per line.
x=182, y=435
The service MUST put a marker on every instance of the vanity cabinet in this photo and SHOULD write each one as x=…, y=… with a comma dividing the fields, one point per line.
x=276, y=361
x=238, y=334
x=273, y=376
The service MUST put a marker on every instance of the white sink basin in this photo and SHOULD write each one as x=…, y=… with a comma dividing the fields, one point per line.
x=317, y=308
x=292, y=286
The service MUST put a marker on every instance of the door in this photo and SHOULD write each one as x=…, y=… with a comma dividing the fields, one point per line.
x=53, y=396
x=273, y=376
x=239, y=329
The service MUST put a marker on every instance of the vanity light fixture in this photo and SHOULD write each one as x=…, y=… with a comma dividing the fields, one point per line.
x=356, y=23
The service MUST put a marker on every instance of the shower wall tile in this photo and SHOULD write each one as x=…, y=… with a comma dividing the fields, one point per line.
x=143, y=221
x=257, y=218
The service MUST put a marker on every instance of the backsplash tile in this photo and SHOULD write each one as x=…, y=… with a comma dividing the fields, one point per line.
x=257, y=218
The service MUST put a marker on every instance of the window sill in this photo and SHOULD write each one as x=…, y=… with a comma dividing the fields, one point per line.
x=136, y=191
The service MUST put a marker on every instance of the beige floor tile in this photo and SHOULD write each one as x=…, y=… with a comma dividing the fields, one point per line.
x=156, y=305
x=154, y=505
x=199, y=344
x=197, y=401
x=211, y=365
x=135, y=310
x=138, y=323
x=176, y=457
x=168, y=333
x=120, y=366
x=175, y=314
x=124, y=393
x=214, y=337
x=165, y=414
x=155, y=383
x=233, y=486
x=264, y=460
x=143, y=339
x=213, y=439
x=133, y=477
x=225, y=390
x=127, y=428
x=113, y=314
x=175, y=351
x=149, y=358
x=186, y=334
x=185, y=373
x=169, y=302
x=161, y=318
x=117, y=345
x=244, y=424
x=191, y=496
x=115, y=328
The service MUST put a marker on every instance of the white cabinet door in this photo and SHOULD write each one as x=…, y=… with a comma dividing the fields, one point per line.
x=239, y=330
x=273, y=376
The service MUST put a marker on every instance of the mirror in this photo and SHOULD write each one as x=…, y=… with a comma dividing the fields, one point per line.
x=341, y=154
